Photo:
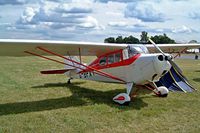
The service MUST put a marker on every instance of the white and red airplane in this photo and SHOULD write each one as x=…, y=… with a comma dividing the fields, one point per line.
x=136, y=66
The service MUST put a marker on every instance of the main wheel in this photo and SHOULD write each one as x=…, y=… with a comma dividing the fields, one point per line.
x=122, y=99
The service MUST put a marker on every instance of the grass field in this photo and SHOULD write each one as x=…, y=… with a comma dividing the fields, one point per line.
x=31, y=102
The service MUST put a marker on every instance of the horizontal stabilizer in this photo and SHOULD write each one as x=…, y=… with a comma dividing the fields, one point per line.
x=55, y=71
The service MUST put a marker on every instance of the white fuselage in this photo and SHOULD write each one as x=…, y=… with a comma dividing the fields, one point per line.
x=146, y=68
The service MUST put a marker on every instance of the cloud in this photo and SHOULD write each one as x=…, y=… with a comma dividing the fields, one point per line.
x=116, y=14
x=56, y=21
x=143, y=11
x=71, y=16
x=85, y=19
x=180, y=0
x=194, y=15
x=67, y=8
x=140, y=28
x=183, y=29
x=106, y=1
x=137, y=28
x=118, y=24
x=12, y=2
x=127, y=1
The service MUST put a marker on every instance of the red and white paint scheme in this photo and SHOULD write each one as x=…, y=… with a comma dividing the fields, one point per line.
x=128, y=64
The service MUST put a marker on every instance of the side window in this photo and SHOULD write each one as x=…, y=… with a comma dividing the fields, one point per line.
x=114, y=58
x=102, y=61
x=118, y=57
x=110, y=59
x=125, y=54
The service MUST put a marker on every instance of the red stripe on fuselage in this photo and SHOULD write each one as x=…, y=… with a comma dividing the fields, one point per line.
x=118, y=64
x=124, y=62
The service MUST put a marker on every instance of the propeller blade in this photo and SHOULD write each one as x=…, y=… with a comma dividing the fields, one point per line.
x=176, y=67
x=156, y=46
x=169, y=58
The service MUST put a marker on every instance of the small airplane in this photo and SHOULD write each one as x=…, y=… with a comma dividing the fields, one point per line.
x=136, y=66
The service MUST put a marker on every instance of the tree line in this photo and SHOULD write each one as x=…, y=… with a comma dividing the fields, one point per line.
x=158, y=39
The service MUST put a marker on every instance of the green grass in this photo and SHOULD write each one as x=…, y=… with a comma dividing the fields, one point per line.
x=31, y=102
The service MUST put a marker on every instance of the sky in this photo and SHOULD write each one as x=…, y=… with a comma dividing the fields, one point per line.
x=94, y=20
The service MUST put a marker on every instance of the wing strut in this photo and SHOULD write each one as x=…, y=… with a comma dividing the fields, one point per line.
x=179, y=54
x=80, y=55
x=52, y=59
x=93, y=69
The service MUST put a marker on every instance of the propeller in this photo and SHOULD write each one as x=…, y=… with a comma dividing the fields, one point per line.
x=167, y=57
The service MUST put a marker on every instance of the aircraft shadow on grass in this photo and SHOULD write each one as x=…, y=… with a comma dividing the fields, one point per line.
x=196, y=79
x=197, y=71
x=78, y=98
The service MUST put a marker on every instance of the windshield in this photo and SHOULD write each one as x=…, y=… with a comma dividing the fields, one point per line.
x=137, y=49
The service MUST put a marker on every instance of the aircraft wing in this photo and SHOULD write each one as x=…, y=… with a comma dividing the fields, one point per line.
x=13, y=47
x=172, y=48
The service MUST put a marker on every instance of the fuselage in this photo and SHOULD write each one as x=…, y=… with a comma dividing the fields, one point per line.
x=133, y=64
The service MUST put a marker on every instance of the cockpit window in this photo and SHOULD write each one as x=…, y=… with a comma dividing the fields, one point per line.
x=102, y=61
x=118, y=57
x=114, y=58
x=133, y=51
x=111, y=59
x=137, y=49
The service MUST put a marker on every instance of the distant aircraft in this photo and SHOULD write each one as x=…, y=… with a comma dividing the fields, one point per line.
x=136, y=66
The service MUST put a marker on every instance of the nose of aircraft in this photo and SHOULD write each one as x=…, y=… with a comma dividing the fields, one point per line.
x=161, y=64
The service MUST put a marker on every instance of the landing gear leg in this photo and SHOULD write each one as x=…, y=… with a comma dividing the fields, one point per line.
x=124, y=98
